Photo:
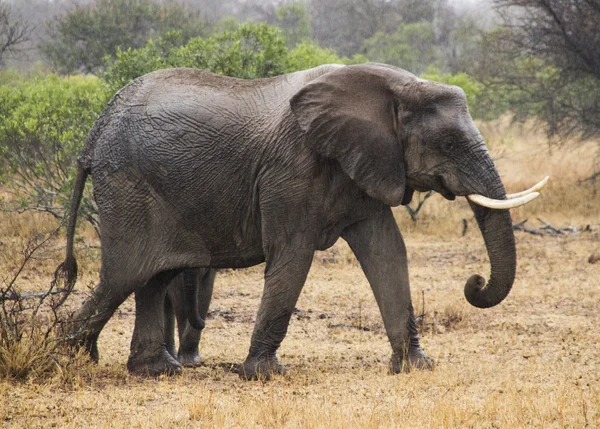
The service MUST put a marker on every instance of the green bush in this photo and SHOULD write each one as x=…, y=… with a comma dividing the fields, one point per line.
x=469, y=85
x=250, y=51
x=307, y=55
x=43, y=125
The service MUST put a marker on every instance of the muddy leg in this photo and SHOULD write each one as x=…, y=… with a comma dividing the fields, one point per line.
x=88, y=321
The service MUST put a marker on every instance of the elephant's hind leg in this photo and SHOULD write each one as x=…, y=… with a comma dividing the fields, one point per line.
x=89, y=320
x=284, y=279
x=149, y=354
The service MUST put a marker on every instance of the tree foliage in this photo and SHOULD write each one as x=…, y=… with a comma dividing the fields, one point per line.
x=544, y=62
x=294, y=19
x=411, y=46
x=80, y=39
x=344, y=25
x=251, y=51
x=43, y=125
x=470, y=86
x=308, y=55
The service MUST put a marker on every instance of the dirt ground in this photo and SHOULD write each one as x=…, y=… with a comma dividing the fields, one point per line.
x=532, y=361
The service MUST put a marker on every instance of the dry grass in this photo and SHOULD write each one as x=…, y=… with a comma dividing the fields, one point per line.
x=532, y=361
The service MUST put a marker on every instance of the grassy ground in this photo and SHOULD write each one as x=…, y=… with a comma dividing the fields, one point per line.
x=532, y=361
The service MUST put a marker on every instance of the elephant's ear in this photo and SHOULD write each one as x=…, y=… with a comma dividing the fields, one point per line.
x=352, y=115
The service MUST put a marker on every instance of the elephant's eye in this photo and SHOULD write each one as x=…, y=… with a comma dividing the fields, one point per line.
x=447, y=146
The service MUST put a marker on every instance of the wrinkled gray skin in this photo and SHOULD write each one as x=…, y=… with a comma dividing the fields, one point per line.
x=192, y=169
x=175, y=303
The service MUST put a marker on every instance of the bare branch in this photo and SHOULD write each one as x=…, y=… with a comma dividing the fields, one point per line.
x=414, y=213
x=13, y=33
x=549, y=230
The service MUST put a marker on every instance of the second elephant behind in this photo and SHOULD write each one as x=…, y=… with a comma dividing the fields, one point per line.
x=176, y=300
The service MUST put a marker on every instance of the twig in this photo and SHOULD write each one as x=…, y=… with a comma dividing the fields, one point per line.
x=420, y=319
x=14, y=296
x=548, y=229
x=592, y=178
x=345, y=325
x=414, y=213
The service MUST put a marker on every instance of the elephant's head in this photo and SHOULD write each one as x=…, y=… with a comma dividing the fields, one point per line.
x=392, y=132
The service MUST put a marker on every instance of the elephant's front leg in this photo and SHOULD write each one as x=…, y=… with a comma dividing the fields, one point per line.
x=149, y=354
x=380, y=249
x=284, y=279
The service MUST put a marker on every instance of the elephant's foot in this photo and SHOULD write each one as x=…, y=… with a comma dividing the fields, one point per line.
x=154, y=365
x=189, y=359
x=261, y=368
x=87, y=342
x=416, y=359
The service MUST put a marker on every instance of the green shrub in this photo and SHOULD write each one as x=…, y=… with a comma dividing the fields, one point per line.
x=251, y=51
x=470, y=86
x=307, y=55
x=43, y=125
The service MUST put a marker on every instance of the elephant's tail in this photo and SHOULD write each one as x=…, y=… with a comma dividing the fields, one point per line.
x=190, y=291
x=67, y=271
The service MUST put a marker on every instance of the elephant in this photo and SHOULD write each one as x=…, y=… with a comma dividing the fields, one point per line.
x=181, y=305
x=195, y=170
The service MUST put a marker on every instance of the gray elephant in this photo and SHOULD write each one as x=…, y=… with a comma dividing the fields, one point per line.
x=192, y=169
x=189, y=308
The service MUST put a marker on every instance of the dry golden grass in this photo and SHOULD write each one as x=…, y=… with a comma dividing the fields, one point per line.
x=532, y=361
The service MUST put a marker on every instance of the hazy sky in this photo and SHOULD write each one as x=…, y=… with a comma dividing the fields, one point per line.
x=459, y=4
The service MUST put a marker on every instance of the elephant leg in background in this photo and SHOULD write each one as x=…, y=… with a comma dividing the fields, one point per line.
x=189, y=337
x=284, y=279
x=170, y=322
x=149, y=354
x=379, y=248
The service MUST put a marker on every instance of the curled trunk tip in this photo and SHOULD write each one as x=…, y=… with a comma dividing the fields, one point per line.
x=496, y=228
x=475, y=295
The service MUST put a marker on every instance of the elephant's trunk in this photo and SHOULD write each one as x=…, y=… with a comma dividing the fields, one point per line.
x=497, y=231
x=190, y=293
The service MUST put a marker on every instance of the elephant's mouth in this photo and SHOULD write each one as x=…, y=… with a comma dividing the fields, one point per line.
x=435, y=183
x=441, y=187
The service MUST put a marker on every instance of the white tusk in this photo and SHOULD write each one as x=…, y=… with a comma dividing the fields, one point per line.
x=535, y=188
x=502, y=204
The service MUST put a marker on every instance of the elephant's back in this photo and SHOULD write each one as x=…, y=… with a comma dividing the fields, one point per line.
x=188, y=77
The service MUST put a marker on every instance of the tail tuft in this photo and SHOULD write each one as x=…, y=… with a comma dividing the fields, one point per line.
x=66, y=276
